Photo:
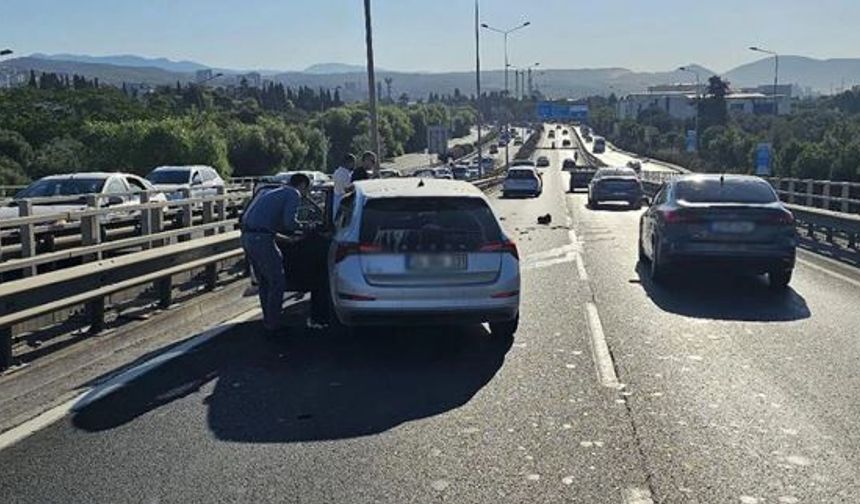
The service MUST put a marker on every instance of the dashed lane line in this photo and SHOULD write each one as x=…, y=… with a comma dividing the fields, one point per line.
x=600, y=349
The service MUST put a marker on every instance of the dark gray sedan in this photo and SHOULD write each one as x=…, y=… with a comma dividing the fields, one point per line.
x=719, y=220
x=615, y=185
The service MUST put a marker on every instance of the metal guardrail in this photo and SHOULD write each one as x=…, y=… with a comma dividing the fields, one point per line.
x=90, y=284
x=88, y=233
x=830, y=195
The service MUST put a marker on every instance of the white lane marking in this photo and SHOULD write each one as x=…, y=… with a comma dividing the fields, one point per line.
x=569, y=257
x=637, y=496
x=92, y=394
x=36, y=424
x=826, y=271
x=600, y=349
x=580, y=267
x=551, y=253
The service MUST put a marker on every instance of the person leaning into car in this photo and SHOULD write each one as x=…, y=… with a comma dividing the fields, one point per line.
x=269, y=214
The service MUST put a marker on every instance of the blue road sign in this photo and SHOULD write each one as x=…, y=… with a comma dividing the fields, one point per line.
x=691, y=141
x=562, y=111
x=763, y=159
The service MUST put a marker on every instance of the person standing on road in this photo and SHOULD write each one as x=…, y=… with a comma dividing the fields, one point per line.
x=368, y=164
x=342, y=180
x=269, y=214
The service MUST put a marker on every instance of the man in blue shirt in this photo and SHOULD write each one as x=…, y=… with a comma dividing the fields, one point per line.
x=270, y=213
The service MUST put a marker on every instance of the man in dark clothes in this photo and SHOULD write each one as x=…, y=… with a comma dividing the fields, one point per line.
x=368, y=165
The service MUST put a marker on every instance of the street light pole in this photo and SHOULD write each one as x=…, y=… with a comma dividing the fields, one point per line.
x=775, y=74
x=371, y=85
x=478, y=86
x=505, y=33
x=698, y=99
x=7, y=52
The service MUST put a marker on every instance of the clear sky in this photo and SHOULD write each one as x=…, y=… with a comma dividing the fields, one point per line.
x=435, y=35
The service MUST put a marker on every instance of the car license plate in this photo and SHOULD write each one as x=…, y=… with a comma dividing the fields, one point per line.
x=732, y=227
x=436, y=262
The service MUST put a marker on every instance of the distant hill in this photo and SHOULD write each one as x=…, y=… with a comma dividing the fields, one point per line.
x=127, y=60
x=333, y=68
x=820, y=75
x=109, y=74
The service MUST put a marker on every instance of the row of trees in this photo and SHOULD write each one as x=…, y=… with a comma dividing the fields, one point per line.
x=820, y=139
x=58, y=129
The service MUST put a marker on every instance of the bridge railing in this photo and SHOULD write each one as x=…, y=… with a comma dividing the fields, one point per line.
x=837, y=196
x=34, y=241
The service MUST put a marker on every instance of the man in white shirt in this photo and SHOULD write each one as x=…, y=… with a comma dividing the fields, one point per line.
x=342, y=179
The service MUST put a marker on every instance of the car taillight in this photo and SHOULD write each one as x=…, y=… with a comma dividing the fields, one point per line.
x=783, y=217
x=502, y=246
x=346, y=249
x=678, y=216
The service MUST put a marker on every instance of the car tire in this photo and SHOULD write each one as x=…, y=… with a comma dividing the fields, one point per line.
x=642, y=256
x=779, y=279
x=659, y=270
x=506, y=329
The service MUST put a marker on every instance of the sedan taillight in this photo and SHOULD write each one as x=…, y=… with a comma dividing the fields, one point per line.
x=502, y=246
x=346, y=249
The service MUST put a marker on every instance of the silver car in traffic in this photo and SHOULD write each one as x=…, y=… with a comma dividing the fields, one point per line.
x=422, y=251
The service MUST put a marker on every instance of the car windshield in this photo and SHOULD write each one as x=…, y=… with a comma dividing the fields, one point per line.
x=169, y=177
x=429, y=224
x=712, y=190
x=521, y=174
x=63, y=187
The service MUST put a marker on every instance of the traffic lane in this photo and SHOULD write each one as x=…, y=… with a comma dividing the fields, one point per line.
x=402, y=415
x=726, y=379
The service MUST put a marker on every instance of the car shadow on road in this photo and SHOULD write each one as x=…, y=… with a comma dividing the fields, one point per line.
x=312, y=386
x=723, y=295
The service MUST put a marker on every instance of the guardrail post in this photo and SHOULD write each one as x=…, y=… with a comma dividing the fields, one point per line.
x=145, y=220
x=221, y=206
x=208, y=216
x=164, y=287
x=211, y=270
x=5, y=348
x=157, y=219
x=28, y=236
x=825, y=193
x=846, y=196
x=810, y=189
x=186, y=215
x=791, y=190
x=91, y=233
x=95, y=311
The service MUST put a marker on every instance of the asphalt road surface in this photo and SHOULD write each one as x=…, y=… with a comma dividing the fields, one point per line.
x=711, y=389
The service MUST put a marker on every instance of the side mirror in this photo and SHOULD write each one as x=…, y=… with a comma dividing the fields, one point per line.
x=115, y=200
x=196, y=182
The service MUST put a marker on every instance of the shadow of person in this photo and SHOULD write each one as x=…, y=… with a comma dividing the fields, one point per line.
x=313, y=386
x=721, y=294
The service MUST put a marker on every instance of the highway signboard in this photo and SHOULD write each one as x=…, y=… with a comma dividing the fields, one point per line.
x=562, y=111
x=437, y=139
x=763, y=159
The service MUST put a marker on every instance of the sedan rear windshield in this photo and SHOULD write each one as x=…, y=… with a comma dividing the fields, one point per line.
x=728, y=191
x=429, y=224
x=521, y=174
x=169, y=177
x=62, y=187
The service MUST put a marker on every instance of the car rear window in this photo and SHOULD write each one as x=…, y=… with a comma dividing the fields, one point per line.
x=169, y=177
x=429, y=224
x=521, y=174
x=62, y=187
x=728, y=191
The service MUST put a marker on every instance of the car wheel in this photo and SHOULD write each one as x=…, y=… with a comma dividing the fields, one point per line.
x=506, y=329
x=642, y=256
x=779, y=279
x=659, y=271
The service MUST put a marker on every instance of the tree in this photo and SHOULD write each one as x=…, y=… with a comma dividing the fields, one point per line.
x=59, y=155
x=713, y=110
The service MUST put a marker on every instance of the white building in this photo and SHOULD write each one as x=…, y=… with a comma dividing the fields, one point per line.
x=679, y=101
x=203, y=75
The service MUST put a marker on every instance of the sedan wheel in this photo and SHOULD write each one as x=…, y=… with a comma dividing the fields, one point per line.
x=779, y=279
x=506, y=329
x=658, y=268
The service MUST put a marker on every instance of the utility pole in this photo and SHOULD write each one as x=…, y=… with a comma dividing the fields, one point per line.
x=388, y=81
x=478, y=87
x=371, y=86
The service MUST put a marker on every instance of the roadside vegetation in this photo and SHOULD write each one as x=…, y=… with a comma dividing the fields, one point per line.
x=819, y=140
x=61, y=125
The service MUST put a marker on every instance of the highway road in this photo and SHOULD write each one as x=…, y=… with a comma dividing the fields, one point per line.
x=409, y=162
x=711, y=389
